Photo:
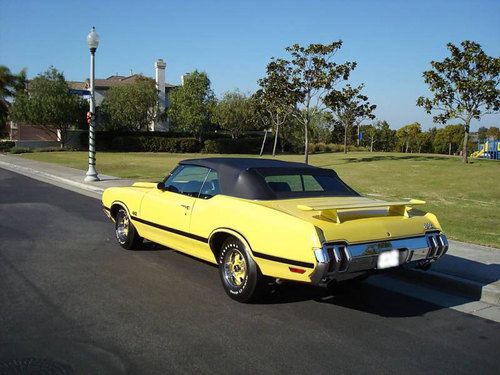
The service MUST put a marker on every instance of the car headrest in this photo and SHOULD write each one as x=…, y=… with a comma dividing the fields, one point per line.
x=279, y=186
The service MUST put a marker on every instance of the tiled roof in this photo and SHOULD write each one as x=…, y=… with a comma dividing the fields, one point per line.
x=77, y=85
x=117, y=81
x=106, y=83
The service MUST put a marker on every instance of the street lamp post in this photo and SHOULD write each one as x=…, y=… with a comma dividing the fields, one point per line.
x=92, y=42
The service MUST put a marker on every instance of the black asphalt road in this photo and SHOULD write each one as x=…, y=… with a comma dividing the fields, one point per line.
x=70, y=294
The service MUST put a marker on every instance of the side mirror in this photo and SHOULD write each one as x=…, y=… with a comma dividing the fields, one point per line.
x=160, y=186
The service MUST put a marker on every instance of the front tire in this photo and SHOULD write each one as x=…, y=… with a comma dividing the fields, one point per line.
x=240, y=275
x=126, y=234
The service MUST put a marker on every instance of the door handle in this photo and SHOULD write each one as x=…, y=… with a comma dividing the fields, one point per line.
x=185, y=206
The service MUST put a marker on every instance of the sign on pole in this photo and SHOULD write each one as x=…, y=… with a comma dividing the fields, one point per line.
x=79, y=92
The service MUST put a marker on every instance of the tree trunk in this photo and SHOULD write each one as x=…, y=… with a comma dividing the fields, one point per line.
x=371, y=146
x=276, y=139
x=63, y=135
x=466, y=140
x=306, y=142
x=345, y=139
x=449, y=148
x=263, y=143
x=407, y=146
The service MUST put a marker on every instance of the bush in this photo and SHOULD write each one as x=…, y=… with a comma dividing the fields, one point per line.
x=53, y=149
x=20, y=150
x=154, y=144
x=173, y=142
x=232, y=146
x=321, y=147
x=333, y=147
x=6, y=145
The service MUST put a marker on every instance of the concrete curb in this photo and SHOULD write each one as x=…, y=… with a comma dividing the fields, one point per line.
x=489, y=293
x=30, y=172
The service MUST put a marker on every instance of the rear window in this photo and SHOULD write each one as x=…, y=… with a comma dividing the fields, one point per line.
x=304, y=183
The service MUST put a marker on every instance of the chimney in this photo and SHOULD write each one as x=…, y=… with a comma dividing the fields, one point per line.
x=160, y=74
x=160, y=81
x=160, y=86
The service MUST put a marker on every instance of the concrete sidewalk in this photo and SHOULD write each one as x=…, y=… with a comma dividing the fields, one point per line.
x=59, y=174
x=469, y=270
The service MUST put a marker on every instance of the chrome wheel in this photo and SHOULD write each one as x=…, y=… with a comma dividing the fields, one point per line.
x=235, y=268
x=122, y=228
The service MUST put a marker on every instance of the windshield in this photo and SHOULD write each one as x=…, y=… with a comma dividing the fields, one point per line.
x=296, y=182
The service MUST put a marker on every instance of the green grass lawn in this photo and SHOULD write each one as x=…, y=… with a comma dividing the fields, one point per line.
x=466, y=198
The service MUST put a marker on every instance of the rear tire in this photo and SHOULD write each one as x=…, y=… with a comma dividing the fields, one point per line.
x=240, y=275
x=126, y=234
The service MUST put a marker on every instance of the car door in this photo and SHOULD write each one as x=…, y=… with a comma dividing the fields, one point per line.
x=168, y=210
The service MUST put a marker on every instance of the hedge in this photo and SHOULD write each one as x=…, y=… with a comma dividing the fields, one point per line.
x=154, y=144
x=143, y=141
x=232, y=146
x=6, y=145
x=20, y=150
x=173, y=142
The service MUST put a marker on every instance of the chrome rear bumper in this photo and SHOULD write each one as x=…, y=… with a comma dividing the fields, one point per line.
x=338, y=261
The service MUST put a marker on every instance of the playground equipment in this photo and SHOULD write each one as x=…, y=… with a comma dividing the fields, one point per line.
x=488, y=150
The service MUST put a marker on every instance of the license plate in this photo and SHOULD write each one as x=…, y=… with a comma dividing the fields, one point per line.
x=388, y=259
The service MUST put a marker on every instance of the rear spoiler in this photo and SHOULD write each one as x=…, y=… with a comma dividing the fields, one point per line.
x=331, y=211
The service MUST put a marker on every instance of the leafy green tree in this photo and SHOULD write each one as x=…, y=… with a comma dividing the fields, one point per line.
x=481, y=134
x=130, y=107
x=423, y=141
x=387, y=137
x=234, y=113
x=371, y=134
x=192, y=104
x=275, y=96
x=321, y=127
x=47, y=104
x=448, y=139
x=464, y=87
x=408, y=137
x=350, y=108
x=311, y=74
x=493, y=133
x=426, y=140
x=10, y=84
x=260, y=116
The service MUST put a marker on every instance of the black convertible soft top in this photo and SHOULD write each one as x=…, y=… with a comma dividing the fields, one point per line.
x=245, y=177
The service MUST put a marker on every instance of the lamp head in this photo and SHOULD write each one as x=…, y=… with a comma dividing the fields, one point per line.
x=93, y=40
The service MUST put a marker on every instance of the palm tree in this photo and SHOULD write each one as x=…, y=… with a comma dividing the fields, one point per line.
x=9, y=85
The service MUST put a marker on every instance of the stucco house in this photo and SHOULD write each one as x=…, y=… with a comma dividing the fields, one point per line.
x=33, y=136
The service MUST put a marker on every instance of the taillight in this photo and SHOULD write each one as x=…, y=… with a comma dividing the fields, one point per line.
x=296, y=270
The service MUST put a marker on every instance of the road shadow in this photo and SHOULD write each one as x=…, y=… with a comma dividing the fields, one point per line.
x=469, y=269
x=365, y=296
x=359, y=296
x=151, y=246
x=375, y=298
x=101, y=179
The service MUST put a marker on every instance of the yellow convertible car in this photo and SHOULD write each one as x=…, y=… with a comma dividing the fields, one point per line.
x=259, y=219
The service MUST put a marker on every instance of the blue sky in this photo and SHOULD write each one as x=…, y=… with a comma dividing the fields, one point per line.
x=392, y=41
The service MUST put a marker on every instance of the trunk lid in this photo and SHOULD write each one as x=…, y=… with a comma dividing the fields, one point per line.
x=357, y=219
